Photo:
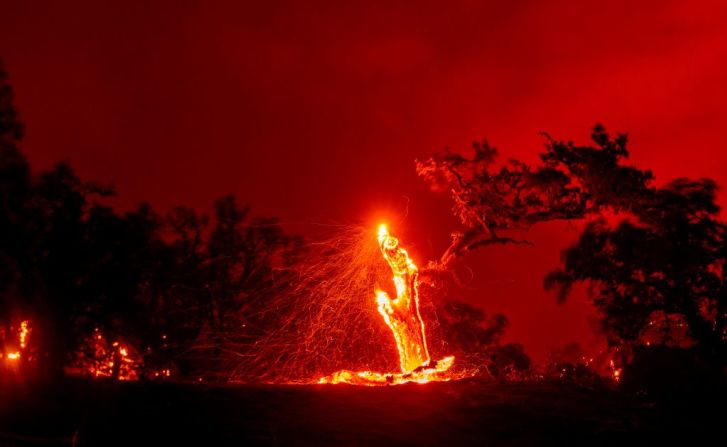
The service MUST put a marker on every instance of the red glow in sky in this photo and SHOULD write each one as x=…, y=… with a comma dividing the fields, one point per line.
x=298, y=107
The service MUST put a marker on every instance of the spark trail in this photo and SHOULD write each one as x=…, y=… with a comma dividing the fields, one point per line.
x=402, y=316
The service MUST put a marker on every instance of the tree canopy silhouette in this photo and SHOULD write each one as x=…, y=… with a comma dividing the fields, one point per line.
x=79, y=270
x=570, y=183
x=654, y=257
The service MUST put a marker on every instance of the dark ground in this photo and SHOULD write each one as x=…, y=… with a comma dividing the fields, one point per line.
x=462, y=413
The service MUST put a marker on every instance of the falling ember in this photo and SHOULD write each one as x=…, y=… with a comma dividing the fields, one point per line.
x=402, y=316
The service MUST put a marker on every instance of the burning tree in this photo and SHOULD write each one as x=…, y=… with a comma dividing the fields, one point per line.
x=402, y=313
x=126, y=295
x=170, y=293
x=402, y=316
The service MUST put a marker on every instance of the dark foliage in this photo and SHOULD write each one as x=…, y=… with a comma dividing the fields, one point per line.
x=653, y=257
x=475, y=339
x=571, y=182
x=169, y=288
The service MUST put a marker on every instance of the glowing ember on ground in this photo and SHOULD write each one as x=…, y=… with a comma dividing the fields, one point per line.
x=402, y=316
x=163, y=373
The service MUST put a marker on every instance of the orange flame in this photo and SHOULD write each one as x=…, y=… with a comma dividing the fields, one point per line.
x=23, y=334
x=104, y=359
x=615, y=372
x=24, y=331
x=402, y=313
x=402, y=316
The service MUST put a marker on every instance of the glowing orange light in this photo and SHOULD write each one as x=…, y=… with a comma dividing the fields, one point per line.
x=616, y=372
x=402, y=313
x=103, y=358
x=383, y=231
x=24, y=332
x=13, y=355
x=402, y=316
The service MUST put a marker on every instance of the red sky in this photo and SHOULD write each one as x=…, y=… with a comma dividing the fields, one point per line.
x=315, y=111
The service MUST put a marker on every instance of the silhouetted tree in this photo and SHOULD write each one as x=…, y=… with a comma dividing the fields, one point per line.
x=245, y=264
x=40, y=222
x=57, y=228
x=468, y=326
x=571, y=182
x=657, y=273
x=653, y=256
x=14, y=192
x=474, y=338
x=84, y=272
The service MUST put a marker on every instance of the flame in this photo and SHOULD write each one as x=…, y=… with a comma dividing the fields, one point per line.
x=402, y=313
x=163, y=373
x=100, y=358
x=24, y=332
x=615, y=372
x=402, y=316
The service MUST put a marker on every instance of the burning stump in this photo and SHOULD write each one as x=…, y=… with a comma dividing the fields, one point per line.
x=402, y=316
x=402, y=313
